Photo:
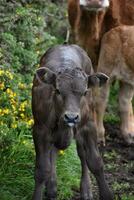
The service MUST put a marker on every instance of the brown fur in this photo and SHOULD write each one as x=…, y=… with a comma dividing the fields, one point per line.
x=88, y=27
x=117, y=61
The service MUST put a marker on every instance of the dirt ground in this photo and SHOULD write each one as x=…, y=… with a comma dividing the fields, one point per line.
x=119, y=165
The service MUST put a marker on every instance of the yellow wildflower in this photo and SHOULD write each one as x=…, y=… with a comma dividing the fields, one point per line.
x=61, y=152
x=10, y=93
x=22, y=115
x=24, y=142
x=14, y=125
x=31, y=84
x=6, y=111
x=2, y=86
x=8, y=90
x=1, y=72
x=38, y=52
x=10, y=76
x=13, y=107
x=22, y=106
x=1, y=112
x=13, y=102
x=1, y=123
x=14, y=94
x=22, y=86
x=30, y=122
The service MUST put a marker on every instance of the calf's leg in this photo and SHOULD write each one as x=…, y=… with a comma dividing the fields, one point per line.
x=85, y=191
x=100, y=106
x=126, y=94
x=94, y=161
x=44, y=168
x=51, y=184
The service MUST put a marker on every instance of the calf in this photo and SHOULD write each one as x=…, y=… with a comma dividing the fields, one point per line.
x=117, y=61
x=62, y=105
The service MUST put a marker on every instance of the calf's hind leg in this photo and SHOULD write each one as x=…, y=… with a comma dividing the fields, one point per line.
x=94, y=161
x=45, y=166
x=126, y=94
x=100, y=106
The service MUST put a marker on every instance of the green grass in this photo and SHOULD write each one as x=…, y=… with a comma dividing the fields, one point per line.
x=17, y=169
x=16, y=174
x=68, y=170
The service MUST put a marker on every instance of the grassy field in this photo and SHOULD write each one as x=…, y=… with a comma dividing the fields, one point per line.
x=28, y=28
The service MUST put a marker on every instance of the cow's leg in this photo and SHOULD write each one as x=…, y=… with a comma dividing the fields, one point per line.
x=44, y=160
x=126, y=112
x=94, y=161
x=100, y=106
x=85, y=191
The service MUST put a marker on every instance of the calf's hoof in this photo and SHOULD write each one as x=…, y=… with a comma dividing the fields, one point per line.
x=107, y=196
x=86, y=197
x=129, y=138
x=82, y=198
x=101, y=141
x=101, y=137
x=50, y=198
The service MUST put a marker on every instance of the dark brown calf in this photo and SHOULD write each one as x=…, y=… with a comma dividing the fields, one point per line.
x=62, y=105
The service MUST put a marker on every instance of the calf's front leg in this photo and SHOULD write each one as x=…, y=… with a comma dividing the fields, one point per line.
x=85, y=188
x=45, y=164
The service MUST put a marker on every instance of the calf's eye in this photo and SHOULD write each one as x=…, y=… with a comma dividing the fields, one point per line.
x=85, y=93
x=57, y=91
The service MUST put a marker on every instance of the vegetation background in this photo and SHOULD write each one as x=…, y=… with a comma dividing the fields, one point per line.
x=27, y=29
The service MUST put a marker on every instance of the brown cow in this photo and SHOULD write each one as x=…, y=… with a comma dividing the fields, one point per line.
x=117, y=61
x=62, y=105
x=86, y=26
x=90, y=20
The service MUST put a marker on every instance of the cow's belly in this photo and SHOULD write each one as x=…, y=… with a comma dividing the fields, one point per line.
x=123, y=73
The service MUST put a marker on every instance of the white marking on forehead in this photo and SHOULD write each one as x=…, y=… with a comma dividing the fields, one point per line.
x=83, y=2
x=70, y=54
x=105, y=3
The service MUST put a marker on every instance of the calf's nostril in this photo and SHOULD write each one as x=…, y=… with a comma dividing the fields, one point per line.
x=66, y=117
x=76, y=117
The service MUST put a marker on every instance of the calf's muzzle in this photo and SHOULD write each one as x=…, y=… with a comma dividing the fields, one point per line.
x=94, y=4
x=71, y=118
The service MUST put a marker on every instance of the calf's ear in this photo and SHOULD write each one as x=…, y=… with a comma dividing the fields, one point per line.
x=97, y=79
x=45, y=75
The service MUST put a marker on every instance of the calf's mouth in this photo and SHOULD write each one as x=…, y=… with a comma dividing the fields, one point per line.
x=63, y=139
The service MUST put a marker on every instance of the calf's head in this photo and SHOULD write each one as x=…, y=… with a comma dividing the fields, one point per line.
x=94, y=5
x=69, y=85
